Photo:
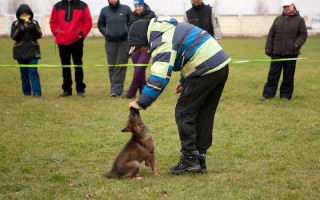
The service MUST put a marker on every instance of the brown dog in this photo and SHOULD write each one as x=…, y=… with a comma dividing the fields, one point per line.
x=139, y=148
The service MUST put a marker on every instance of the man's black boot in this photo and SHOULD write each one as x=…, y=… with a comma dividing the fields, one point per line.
x=189, y=163
x=202, y=162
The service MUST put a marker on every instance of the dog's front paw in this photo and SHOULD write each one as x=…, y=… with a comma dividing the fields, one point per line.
x=156, y=175
x=137, y=178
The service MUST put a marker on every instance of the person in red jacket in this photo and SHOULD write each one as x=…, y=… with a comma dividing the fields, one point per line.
x=70, y=23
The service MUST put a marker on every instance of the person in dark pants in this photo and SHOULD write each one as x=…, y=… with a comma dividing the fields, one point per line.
x=141, y=11
x=204, y=17
x=204, y=69
x=113, y=25
x=26, y=32
x=287, y=35
x=70, y=23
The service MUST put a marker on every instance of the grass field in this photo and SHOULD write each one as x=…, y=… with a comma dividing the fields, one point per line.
x=58, y=148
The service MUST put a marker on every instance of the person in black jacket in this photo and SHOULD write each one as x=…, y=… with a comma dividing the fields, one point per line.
x=286, y=36
x=141, y=12
x=113, y=25
x=26, y=31
x=204, y=17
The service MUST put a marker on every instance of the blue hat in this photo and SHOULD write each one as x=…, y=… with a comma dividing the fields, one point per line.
x=139, y=2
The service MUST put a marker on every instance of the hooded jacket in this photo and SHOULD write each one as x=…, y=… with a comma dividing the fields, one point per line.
x=113, y=22
x=175, y=47
x=26, y=45
x=286, y=35
x=147, y=13
x=70, y=20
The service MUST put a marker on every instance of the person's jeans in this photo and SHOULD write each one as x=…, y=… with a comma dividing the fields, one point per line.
x=30, y=78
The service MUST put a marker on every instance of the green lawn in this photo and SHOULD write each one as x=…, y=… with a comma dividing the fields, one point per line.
x=58, y=148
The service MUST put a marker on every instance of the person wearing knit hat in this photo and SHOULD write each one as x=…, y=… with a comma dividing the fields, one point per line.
x=139, y=2
x=141, y=12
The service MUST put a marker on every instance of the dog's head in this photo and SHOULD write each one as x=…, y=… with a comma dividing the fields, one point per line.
x=134, y=125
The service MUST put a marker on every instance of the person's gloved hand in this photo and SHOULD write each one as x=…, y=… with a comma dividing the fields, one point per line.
x=296, y=47
x=31, y=25
x=268, y=52
x=22, y=27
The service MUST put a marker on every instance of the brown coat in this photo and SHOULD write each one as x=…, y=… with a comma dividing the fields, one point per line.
x=286, y=36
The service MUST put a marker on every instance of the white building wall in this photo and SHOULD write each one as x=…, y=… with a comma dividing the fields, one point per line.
x=231, y=25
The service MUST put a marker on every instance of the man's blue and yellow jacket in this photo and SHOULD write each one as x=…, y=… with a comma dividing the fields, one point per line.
x=175, y=47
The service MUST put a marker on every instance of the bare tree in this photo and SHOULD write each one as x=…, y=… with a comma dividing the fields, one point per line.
x=261, y=8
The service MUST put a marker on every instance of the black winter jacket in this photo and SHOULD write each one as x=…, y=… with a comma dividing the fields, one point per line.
x=113, y=22
x=26, y=45
x=286, y=36
x=201, y=16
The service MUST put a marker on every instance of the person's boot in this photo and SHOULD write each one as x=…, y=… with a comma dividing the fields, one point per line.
x=189, y=163
x=202, y=162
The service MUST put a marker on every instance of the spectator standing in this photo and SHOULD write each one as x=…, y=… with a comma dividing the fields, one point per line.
x=25, y=31
x=70, y=23
x=203, y=65
x=141, y=11
x=286, y=36
x=113, y=25
x=203, y=16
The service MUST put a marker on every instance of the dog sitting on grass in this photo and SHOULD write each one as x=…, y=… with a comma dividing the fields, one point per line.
x=139, y=148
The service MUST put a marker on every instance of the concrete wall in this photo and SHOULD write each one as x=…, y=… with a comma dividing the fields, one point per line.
x=232, y=25
x=2, y=29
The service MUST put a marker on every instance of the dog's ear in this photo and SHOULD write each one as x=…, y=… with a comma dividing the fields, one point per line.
x=126, y=129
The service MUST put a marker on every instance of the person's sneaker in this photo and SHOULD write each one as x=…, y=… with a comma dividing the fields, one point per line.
x=284, y=99
x=37, y=96
x=126, y=97
x=188, y=163
x=65, y=94
x=113, y=95
x=202, y=162
x=81, y=94
x=262, y=98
